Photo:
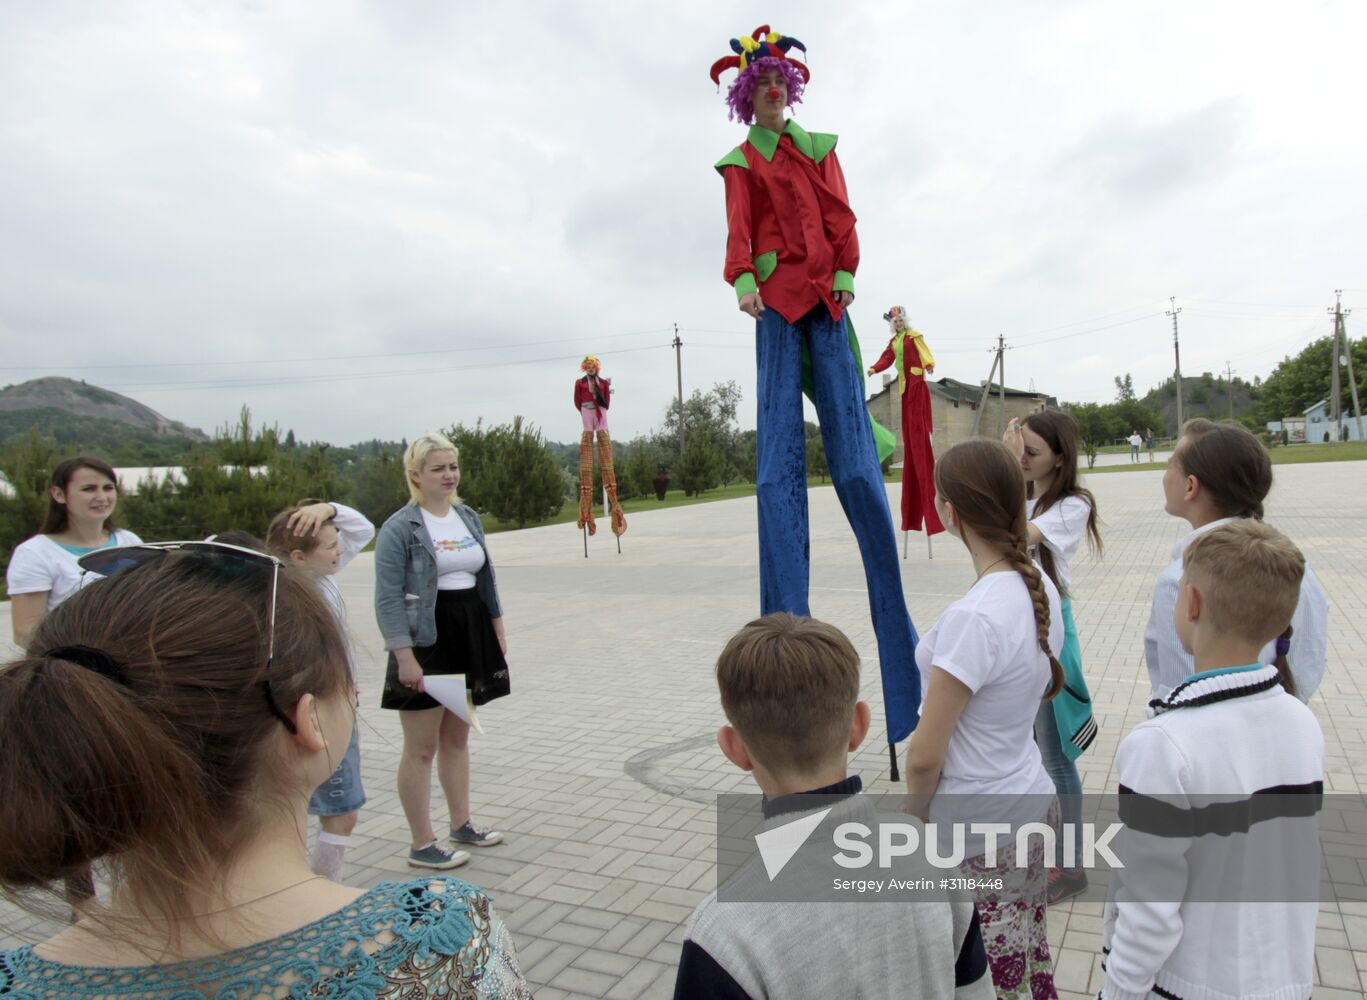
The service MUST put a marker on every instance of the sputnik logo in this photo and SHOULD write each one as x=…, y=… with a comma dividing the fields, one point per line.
x=777, y=846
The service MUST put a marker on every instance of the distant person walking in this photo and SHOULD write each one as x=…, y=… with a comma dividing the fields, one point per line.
x=82, y=495
x=1135, y=442
x=1150, y=439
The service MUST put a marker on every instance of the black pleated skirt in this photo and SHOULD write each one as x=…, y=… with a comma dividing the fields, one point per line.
x=466, y=644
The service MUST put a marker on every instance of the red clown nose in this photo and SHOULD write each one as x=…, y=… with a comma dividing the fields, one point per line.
x=773, y=93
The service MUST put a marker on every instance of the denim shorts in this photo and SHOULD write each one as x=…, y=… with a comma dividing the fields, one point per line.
x=342, y=793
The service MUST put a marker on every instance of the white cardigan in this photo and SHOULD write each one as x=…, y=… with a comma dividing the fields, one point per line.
x=1188, y=777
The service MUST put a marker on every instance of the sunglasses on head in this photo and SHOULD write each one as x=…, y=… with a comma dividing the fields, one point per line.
x=112, y=561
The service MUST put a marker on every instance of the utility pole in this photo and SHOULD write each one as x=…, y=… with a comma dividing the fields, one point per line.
x=987, y=390
x=1229, y=390
x=1001, y=369
x=1177, y=358
x=1344, y=350
x=678, y=369
x=1335, y=390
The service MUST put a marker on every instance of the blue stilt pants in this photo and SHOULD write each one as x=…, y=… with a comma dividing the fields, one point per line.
x=781, y=487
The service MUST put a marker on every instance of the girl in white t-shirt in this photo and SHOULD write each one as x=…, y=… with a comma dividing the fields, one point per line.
x=985, y=667
x=42, y=573
x=1061, y=514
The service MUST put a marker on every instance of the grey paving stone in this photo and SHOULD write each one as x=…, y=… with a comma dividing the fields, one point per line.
x=612, y=657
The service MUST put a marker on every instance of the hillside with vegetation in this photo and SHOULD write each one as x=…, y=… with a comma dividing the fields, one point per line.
x=81, y=417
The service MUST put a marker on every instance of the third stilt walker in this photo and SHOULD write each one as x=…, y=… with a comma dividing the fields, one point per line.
x=907, y=349
x=592, y=395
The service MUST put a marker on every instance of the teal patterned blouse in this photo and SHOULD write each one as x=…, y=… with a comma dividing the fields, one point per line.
x=432, y=937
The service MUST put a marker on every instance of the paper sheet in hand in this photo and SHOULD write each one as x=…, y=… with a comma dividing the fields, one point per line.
x=449, y=689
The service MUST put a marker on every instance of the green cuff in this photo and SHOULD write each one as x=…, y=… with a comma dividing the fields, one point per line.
x=844, y=282
x=744, y=285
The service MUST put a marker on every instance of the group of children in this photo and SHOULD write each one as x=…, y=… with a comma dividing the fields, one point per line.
x=1235, y=646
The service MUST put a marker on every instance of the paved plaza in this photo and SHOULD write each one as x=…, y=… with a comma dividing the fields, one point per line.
x=601, y=767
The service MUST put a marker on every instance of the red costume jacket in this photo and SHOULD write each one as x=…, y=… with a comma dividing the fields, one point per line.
x=790, y=230
x=583, y=392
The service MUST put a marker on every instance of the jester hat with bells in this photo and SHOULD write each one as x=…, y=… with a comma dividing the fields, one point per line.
x=763, y=44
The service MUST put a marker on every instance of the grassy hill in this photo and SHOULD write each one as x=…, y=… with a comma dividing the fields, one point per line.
x=1202, y=396
x=85, y=417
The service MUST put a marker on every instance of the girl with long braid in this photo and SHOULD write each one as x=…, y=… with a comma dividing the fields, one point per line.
x=986, y=666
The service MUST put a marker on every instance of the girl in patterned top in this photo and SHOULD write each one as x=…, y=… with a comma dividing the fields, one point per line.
x=167, y=728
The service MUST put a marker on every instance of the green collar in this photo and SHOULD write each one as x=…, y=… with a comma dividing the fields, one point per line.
x=766, y=140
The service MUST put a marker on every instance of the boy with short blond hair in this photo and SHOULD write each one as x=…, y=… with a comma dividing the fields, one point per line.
x=790, y=691
x=1215, y=786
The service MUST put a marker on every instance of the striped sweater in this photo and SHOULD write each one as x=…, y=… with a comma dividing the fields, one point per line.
x=1219, y=791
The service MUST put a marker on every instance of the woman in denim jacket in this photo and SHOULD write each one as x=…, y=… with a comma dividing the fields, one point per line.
x=437, y=606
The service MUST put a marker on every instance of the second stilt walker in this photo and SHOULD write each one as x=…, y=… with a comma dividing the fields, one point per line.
x=592, y=396
x=907, y=349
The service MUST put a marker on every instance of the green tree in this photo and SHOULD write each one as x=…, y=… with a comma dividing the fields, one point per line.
x=524, y=483
x=1298, y=383
x=27, y=465
x=713, y=415
x=479, y=447
x=1132, y=415
x=239, y=480
x=702, y=466
x=1124, y=388
x=634, y=475
x=816, y=457
x=380, y=487
x=1096, y=426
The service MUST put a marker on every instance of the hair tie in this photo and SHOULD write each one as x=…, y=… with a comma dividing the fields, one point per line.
x=96, y=660
x=1283, y=646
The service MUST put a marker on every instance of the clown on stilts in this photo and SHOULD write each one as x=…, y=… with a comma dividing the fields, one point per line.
x=908, y=351
x=791, y=256
x=592, y=396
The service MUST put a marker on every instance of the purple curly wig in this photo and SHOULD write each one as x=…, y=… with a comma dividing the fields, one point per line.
x=740, y=97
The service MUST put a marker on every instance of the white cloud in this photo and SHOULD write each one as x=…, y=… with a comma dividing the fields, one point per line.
x=322, y=191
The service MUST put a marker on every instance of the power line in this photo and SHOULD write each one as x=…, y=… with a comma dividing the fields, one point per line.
x=339, y=357
x=1083, y=333
x=360, y=376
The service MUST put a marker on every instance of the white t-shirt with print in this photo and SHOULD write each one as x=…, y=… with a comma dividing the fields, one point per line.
x=1063, y=526
x=459, y=556
x=987, y=640
x=42, y=564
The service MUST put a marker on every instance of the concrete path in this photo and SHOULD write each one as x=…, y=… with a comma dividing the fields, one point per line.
x=601, y=766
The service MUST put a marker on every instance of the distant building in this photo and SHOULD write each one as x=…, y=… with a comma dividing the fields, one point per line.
x=952, y=407
x=1319, y=427
x=131, y=478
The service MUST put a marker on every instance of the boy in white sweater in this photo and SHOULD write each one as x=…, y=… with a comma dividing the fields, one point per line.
x=1216, y=787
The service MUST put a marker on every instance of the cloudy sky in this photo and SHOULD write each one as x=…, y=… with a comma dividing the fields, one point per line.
x=368, y=219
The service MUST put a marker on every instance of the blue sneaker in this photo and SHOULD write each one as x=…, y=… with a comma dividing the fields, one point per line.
x=468, y=834
x=436, y=856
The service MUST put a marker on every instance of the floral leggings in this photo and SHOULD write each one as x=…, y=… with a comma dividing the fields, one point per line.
x=1013, y=920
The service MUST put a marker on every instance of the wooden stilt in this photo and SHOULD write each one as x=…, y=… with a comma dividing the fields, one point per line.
x=586, y=541
x=930, y=550
x=904, y=544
